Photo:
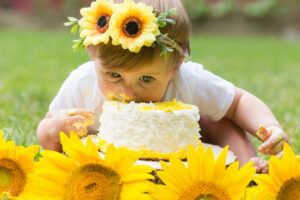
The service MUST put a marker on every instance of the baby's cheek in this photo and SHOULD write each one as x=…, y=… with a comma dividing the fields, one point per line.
x=104, y=86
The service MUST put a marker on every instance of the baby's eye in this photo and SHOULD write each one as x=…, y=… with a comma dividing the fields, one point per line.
x=114, y=74
x=146, y=79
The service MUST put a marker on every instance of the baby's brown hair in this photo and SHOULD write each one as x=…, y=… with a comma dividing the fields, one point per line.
x=116, y=57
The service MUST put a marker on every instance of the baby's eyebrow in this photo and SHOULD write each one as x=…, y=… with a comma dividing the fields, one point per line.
x=154, y=73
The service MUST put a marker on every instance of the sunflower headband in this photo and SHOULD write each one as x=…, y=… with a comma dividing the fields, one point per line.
x=128, y=24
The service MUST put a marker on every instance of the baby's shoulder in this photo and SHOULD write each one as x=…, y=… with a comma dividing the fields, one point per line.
x=83, y=77
x=190, y=70
x=192, y=65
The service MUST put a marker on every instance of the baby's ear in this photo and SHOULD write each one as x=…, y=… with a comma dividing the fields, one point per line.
x=176, y=67
x=181, y=61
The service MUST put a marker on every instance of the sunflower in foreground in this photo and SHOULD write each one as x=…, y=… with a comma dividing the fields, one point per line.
x=95, y=22
x=83, y=174
x=133, y=25
x=204, y=178
x=250, y=193
x=283, y=181
x=16, y=163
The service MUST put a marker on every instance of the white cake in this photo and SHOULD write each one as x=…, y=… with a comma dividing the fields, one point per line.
x=153, y=129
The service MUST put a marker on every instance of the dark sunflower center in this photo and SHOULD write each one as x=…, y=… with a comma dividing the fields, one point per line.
x=12, y=177
x=201, y=190
x=132, y=27
x=5, y=176
x=91, y=187
x=93, y=182
x=103, y=23
x=290, y=190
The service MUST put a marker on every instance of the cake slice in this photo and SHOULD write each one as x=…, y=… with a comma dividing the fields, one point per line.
x=155, y=130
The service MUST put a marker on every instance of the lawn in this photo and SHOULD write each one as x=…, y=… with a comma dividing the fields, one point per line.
x=34, y=64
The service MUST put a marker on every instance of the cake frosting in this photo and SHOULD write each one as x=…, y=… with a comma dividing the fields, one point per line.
x=156, y=130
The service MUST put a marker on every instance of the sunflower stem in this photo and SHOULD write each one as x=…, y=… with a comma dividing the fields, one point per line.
x=6, y=195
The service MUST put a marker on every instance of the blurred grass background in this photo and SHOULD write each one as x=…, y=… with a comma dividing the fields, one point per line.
x=34, y=64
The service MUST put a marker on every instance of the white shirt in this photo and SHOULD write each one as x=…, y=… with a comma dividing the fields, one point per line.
x=192, y=84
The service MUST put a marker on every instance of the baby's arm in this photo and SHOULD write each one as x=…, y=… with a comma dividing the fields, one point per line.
x=49, y=128
x=249, y=112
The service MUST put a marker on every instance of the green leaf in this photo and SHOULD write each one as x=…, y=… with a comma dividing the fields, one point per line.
x=76, y=41
x=169, y=49
x=173, y=11
x=68, y=23
x=165, y=55
x=162, y=19
x=162, y=23
x=163, y=50
x=79, y=44
x=162, y=36
x=72, y=19
x=171, y=21
x=74, y=29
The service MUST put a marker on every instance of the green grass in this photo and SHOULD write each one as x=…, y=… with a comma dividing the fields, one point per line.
x=34, y=64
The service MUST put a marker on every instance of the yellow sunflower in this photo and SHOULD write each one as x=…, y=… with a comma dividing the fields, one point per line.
x=95, y=22
x=16, y=163
x=250, y=193
x=83, y=174
x=283, y=180
x=204, y=177
x=133, y=25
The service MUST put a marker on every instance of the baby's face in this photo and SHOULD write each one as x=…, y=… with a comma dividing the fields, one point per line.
x=140, y=84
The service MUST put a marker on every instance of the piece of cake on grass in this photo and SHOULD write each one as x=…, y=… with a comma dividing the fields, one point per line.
x=154, y=130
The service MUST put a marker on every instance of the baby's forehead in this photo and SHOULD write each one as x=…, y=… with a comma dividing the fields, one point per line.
x=154, y=66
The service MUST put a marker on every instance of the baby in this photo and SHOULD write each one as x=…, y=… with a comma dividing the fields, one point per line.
x=131, y=54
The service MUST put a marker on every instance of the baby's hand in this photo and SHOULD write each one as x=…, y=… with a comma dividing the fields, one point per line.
x=260, y=165
x=75, y=120
x=273, y=138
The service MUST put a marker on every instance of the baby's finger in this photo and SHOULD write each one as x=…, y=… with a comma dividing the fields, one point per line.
x=275, y=138
x=280, y=154
x=88, y=115
x=76, y=119
x=265, y=171
x=268, y=145
x=286, y=139
x=259, y=164
x=275, y=149
x=263, y=133
x=263, y=168
x=80, y=125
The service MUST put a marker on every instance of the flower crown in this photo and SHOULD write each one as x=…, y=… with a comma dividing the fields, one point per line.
x=128, y=24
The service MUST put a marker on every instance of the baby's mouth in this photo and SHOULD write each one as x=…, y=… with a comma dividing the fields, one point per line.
x=122, y=97
x=109, y=95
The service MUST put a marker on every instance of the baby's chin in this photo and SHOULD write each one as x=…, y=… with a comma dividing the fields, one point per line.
x=144, y=101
